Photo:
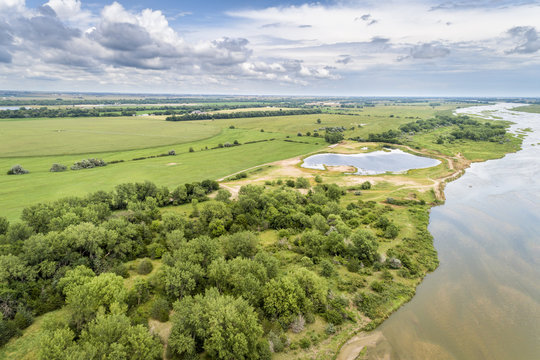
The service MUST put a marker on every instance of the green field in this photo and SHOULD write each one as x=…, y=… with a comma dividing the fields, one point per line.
x=530, y=109
x=38, y=143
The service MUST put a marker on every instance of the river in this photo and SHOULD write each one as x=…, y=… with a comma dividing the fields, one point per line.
x=483, y=302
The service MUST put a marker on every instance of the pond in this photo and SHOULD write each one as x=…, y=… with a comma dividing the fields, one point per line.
x=377, y=162
x=9, y=107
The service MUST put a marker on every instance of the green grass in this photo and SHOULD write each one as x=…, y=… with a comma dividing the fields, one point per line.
x=530, y=109
x=37, y=143
x=41, y=185
x=57, y=136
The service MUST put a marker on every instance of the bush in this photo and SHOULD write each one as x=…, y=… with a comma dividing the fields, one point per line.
x=327, y=268
x=290, y=183
x=145, y=267
x=58, y=168
x=23, y=318
x=88, y=164
x=330, y=329
x=17, y=170
x=318, y=179
x=172, y=153
x=298, y=324
x=366, y=185
x=121, y=270
x=160, y=310
x=305, y=343
x=191, y=149
x=302, y=183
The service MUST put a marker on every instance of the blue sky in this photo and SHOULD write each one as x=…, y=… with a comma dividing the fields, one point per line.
x=342, y=47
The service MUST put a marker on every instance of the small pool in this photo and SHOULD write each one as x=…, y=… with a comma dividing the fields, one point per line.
x=377, y=162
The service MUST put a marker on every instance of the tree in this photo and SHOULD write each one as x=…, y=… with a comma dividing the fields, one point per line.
x=240, y=244
x=220, y=325
x=283, y=299
x=95, y=293
x=107, y=337
x=364, y=246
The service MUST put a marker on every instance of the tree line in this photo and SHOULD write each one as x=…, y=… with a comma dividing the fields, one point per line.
x=241, y=114
x=466, y=128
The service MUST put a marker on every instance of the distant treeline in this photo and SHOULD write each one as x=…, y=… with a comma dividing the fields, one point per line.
x=44, y=112
x=467, y=128
x=243, y=114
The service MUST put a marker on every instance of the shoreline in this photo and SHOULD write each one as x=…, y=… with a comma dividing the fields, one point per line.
x=361, y=338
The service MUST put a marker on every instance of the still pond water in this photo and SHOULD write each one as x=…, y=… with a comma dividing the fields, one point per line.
x=377, y=162
x=483, y=302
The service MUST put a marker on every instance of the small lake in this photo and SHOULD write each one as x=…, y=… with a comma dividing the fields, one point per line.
x=377, y=162
x=9, y=107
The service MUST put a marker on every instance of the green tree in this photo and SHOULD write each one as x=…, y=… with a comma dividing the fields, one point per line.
x=96, y=293
x=240, y=244
x=364, y=246
x=220, y=325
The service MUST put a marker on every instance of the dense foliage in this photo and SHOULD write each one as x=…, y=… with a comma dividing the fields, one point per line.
x=232, y=297
x=465, y=128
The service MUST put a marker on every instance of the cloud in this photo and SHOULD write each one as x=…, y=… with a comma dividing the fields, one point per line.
x=344, y=59
x=429, y=51
x=527, y=38
x=113, y=45
x=472, y=4
x=65, y=9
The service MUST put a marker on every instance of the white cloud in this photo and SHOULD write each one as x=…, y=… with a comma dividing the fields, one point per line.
x=295, y=45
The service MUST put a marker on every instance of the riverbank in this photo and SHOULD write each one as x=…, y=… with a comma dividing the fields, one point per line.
x=421, y=329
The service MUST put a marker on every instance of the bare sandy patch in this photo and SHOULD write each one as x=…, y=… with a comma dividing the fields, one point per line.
x=172, y=164
x=341, y=169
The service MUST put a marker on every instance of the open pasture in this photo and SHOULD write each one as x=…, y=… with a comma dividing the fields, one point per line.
x=67, y=140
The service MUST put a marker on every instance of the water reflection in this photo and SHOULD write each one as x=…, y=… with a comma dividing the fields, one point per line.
x=483, y=302
x=377, y=162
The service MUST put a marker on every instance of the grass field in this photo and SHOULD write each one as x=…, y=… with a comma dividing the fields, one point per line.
x=529, y=109
x=38, y=143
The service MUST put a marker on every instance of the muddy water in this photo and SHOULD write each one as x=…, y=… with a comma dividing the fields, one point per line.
x=483, y=302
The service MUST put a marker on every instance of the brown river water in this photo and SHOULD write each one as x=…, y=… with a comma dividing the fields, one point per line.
x=483, y=302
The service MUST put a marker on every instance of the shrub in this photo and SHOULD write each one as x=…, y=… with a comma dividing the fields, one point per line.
x=366, y=185
x=191, y=149
x=58, y=168
x=330, y=329
x=302, y=183
x=290, y=183
x=23, y=318
x=88, y=164
x=172, y=153
x=145, y=267
x=17, y=170
x=160, y=310
x=298, y=324
x=121, y=270
x=327, y=268
x=305, y=343
x=318, y=179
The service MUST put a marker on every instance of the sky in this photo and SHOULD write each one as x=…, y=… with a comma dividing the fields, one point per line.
x=266, y=47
